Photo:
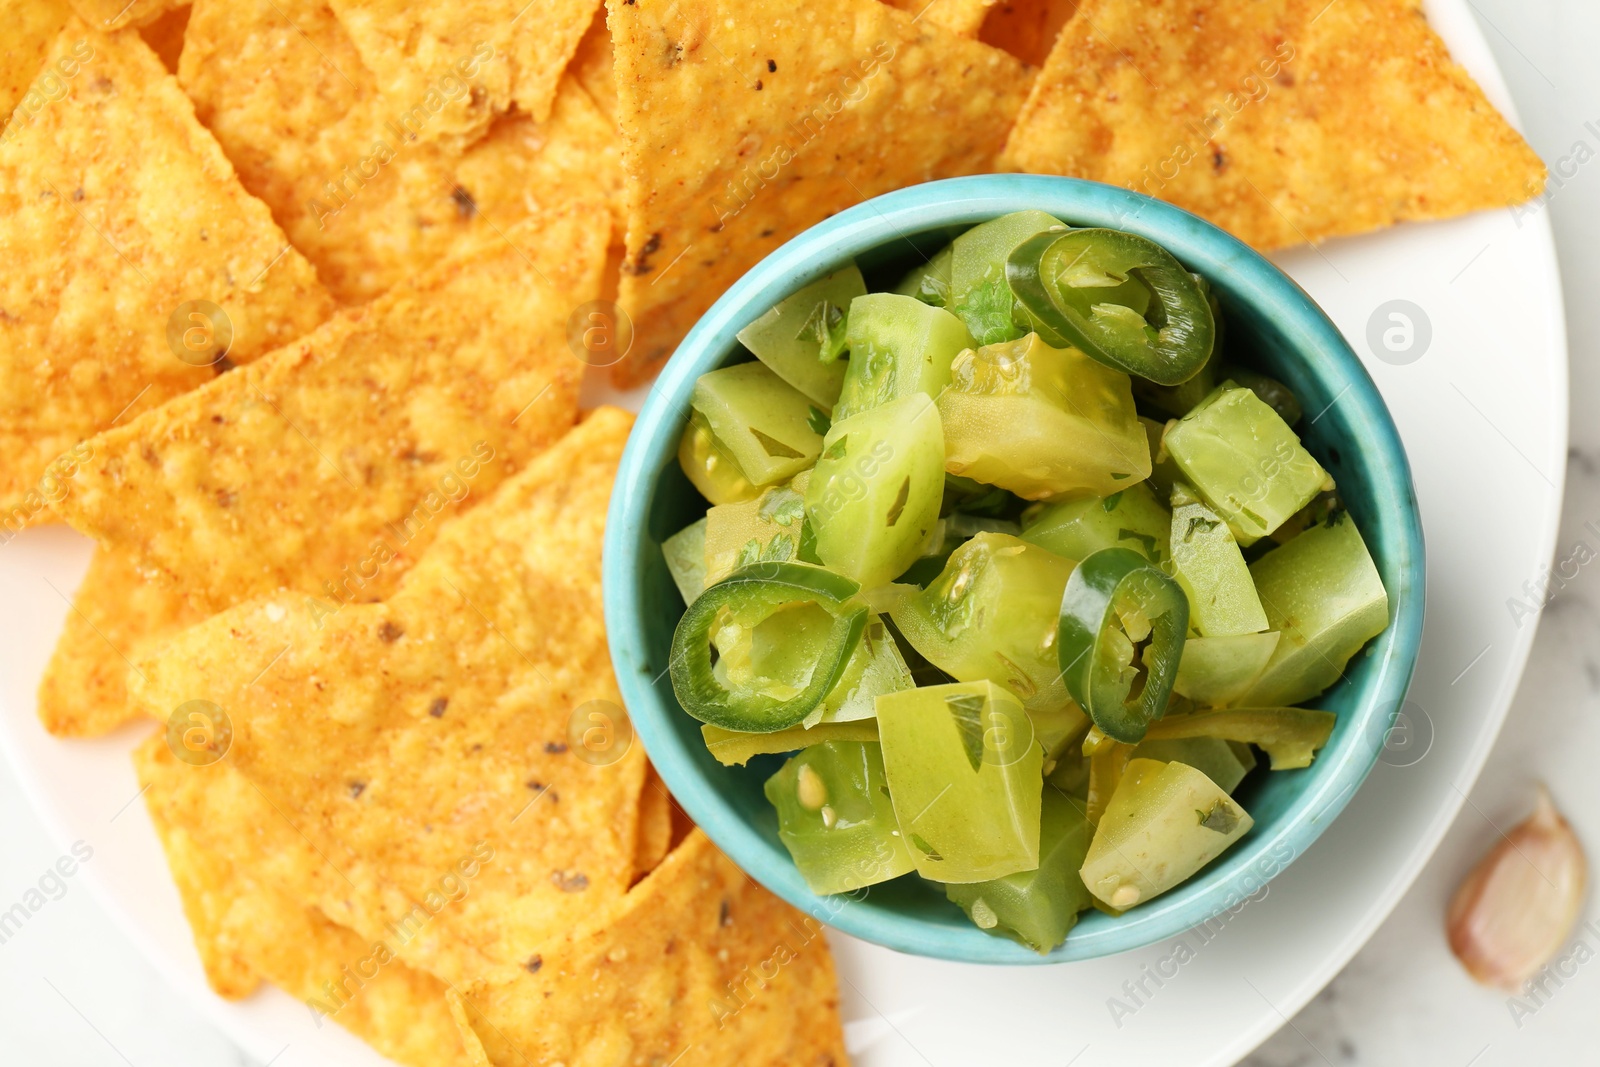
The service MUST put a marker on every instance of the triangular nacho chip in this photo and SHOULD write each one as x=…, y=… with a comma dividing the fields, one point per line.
x=1027, y=28
x=697, y=964
x=654, y=838
x=961, y=17
x=329, y=466
x=281, y=85
x=114, y=14
x=118, y=614
x=124, y=231
x=1282, y=121
x=466, y=60
x=406, y=737
x=593, y=67
x=246, y=930
x=164, y=35
x=736, y=137
x=31, y=28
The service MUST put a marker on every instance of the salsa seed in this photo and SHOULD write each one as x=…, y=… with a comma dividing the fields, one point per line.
x=811, y=789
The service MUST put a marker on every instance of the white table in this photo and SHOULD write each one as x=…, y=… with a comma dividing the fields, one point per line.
x=74, y=990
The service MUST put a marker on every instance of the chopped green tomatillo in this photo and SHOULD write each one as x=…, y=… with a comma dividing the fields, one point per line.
x=964, y=773
x=802, y=336
x=1114, y=602
x=768, y=529
x=1041, y=421
x=979, y=292
x=1245, y=462
x=1040, y=906
x=992, y=614
x=835, y=817
x=1120, y=297
x=741, y=602
x=874, y=497
x=1085, y=523
x=685, y=553
x=898, y=346
x=1216, y=671
x=1207, y=562
x=1324, y=593
x=1164, y=823
x=1224, y=762
x=758, y=420
x=1272, y=392
x=876, y=667
x=710, y=466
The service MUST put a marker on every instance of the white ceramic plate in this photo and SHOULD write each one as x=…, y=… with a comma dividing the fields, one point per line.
x=1481, y=405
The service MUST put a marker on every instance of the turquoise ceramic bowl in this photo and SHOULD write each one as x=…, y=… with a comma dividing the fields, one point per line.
x=1271, y=324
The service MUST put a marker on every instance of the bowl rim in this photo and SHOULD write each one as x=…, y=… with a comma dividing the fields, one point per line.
x=1313, y=338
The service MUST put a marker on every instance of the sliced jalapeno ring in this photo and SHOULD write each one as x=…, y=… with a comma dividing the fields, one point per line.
x=1121, y=298
x=1115, y=602
x=750, y=594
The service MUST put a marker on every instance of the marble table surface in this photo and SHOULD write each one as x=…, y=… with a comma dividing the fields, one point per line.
x=74, y=990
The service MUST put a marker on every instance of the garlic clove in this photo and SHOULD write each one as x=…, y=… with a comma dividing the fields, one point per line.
x=1518, y=906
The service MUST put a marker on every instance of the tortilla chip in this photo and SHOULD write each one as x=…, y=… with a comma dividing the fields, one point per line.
x=1027, y=28
x=114, y=14
x=696, y=957
x=246, y=930
x=475, y=1056
x=304, y=122
x=330, y=465
x=787, y=148
x=117, y=208
x=117, y=614
x=593, y=66
x=960, y=17
x=31, y=28
x=654, y=838
x=205, y=884
x=409, y=737
x=466, y=60
x=165, y=36
x=1282, y=121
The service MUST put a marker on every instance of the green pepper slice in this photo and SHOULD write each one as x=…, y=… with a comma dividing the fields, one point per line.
x=1121, y=298
x=1289, y=736
x=1115, y=602
x=745, y=597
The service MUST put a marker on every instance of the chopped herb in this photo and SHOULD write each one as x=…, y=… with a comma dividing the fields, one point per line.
x=1221, y=818
x=927, y=849
x=1144, y=539
x=900, y=498
x=1110, y=503
x=772, y=446
x=782, y=506
x=967, y=711
x=818, y=420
